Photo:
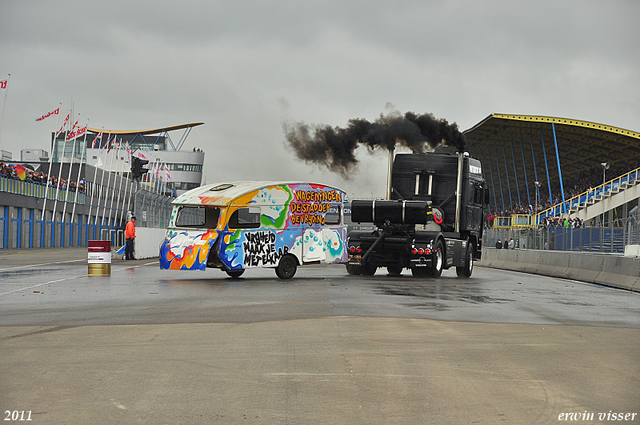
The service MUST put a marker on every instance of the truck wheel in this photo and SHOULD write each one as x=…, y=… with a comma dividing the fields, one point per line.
x=235, y=273
x=287, y=267
x=438, y=260
x=467, y=269
x=369, y=270
x=394, y=270
x=354, y=270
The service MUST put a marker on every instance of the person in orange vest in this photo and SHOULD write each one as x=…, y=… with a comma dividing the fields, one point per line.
x=130, y=236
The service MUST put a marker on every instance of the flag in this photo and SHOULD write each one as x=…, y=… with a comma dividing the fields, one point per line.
x=167, y=174
x=99, y=139
x=70, y=136
x=3, y=84
x=48, y=114
x=141, y=155
x=66, y=120
x=113, y=143
x=128, y=154
x=20, y=171
x=81, y=131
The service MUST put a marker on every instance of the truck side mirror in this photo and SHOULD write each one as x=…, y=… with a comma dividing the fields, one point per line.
x=487, y=199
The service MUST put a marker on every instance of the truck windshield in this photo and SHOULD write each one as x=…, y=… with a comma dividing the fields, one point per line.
x=202, y=217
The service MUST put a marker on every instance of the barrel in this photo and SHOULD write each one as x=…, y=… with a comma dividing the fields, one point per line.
x=99, y=258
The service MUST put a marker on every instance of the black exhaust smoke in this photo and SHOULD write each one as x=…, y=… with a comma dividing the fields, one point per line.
x=335, y=148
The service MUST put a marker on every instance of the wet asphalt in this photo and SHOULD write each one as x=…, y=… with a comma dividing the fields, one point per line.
x=145, y=345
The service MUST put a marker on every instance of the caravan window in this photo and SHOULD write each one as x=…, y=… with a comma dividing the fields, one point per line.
x=333, y=215
x=202, y=217
x=245, y=218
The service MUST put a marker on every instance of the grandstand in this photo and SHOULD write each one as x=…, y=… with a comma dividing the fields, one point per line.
x=582, y=169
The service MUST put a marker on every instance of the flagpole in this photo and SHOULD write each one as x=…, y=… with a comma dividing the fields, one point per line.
x=114, y=185
x=75, y=198
x=106, y=145
x=46, y=190
x=57, y=192
x=94, y=185
x=120, y=175
x=120, y=191
x=66, y=193
x=104, y=210
x=6, y=91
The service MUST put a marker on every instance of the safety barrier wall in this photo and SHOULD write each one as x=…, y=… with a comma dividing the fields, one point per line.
x=604, y=269
x=38, y=190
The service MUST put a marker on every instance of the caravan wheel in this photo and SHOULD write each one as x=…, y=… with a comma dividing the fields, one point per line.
x=287, y=267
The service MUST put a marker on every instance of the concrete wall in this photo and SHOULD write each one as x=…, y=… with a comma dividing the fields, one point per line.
x=604, y=269
x=147, y=243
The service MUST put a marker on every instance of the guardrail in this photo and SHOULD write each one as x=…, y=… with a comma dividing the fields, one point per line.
x=592, y=196
x=39, y=190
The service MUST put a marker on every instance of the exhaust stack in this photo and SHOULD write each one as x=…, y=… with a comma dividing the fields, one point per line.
x=459, y=191
x=390, y=168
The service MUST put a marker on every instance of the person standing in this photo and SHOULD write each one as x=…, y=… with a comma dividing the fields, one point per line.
x=130, y=236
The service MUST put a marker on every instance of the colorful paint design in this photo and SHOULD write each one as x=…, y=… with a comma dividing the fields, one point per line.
x=186, y=250
x=292, y=221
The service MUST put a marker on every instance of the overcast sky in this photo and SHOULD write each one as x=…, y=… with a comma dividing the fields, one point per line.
x=246, y=67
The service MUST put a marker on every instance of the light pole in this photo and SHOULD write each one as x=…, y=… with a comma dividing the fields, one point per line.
x=538, y=184
x=605, y=167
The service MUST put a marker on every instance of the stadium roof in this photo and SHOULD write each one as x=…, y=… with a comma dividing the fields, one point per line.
x=150, y=131
x=502, y=140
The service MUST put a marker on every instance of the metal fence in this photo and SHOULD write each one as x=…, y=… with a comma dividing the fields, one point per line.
x=589, y=239
x=153, y=209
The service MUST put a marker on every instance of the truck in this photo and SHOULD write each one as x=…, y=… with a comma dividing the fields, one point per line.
x=432, y=219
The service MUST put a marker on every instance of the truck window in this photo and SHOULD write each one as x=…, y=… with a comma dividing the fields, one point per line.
x=245, y=218
x=332, y=216
x=206, y=217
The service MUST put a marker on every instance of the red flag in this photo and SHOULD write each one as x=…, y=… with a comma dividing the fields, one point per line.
x=112, y=144
x=98, y=138
x=66, y=120
x=48, y=114
x=72, y=133
x=141, y=155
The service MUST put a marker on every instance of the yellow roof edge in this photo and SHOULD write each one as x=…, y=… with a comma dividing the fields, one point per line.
x=149, y=131
x=568, y=121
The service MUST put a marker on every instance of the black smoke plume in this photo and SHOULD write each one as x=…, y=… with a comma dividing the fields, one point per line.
x=335, y=148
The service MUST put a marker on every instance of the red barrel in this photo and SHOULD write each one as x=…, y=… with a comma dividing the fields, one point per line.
x=99, y=258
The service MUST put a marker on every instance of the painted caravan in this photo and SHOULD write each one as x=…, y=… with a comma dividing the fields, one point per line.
x=244, y=225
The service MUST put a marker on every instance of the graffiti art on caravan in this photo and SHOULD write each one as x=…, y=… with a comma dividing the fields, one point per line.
x=243, y=225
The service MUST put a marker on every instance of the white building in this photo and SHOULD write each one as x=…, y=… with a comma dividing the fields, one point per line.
x=185, y=166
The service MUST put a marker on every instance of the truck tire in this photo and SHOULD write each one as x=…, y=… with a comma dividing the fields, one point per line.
x=438, y=259
x=467, y=269
x=369, y=270
x=354, y=270
x=287, y=267
x=394, y=270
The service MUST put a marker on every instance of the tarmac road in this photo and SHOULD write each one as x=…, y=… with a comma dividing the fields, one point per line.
x=164, y=347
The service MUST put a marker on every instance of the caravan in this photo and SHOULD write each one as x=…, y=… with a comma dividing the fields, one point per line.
x=243, y=225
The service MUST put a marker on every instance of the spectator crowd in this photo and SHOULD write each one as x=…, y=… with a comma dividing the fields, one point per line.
x=12, y=172
x=572, y=187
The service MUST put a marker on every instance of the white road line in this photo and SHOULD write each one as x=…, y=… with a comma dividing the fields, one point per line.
x=42, y=264
x=61, y=280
